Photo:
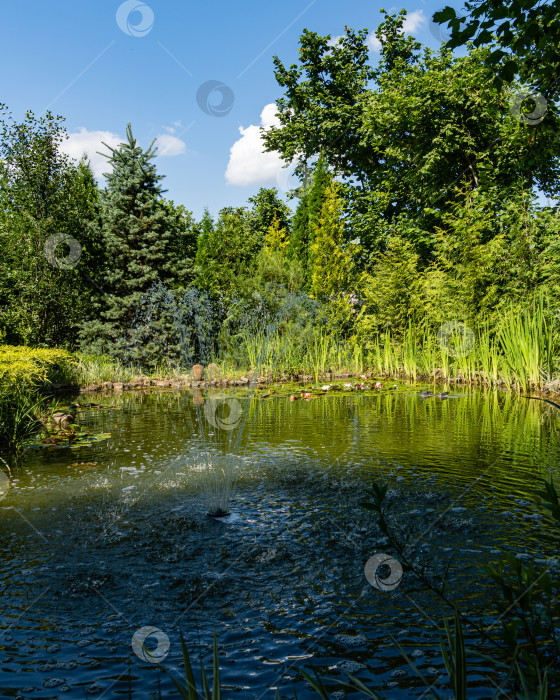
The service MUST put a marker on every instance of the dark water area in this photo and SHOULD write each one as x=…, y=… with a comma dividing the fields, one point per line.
x=92, y=553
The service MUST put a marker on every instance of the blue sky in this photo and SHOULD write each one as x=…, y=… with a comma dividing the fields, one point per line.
x=103, y=63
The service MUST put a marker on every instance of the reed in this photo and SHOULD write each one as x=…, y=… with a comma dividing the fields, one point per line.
x=409, y=350
x=318, y=353
x=21, y=409
x=521, y=354
x=357, y=362
x=488, y=358
x=528, y=345
x=191, y=690
x=95, y=369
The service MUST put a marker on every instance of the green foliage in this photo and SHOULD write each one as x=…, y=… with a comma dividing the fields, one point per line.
x=520, y=352
x=227, y=252
x=490, y=248
x=173, y=329
x=276, y=237
x=432, y=121
x=331, y=259
x=524, y=36
x=95, y=369
x=393, y=291
x=183, y=244
x=266, y=208
x=322, y=109
x=549, y=267
x=21, y=408
x=230, y=257
x=272, y=264
x=42, y=194
x=528, y=344
x=273, y=267
x=145, y=239
x=398, y=51
x=306, y=219
x=438, y=122
x=22, y=365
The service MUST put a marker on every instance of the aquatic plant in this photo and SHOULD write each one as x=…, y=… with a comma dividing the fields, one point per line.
x=528, y=345
x=191, y=690
x=520, y=354
x=320, y=349
x=21, y=409
x=527, y=602
x=410, y=345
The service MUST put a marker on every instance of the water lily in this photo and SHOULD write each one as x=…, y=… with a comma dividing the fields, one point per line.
x=378, y=385
x=307, y=395
x=326, y=387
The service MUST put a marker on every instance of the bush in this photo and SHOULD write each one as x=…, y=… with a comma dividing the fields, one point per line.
x=32, y=366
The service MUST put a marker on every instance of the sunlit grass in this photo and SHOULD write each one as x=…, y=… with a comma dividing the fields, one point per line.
x=521, y=354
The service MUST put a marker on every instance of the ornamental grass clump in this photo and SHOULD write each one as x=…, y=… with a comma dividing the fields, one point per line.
x=21, y=409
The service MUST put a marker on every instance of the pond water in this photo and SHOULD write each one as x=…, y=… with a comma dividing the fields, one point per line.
x=92, y=553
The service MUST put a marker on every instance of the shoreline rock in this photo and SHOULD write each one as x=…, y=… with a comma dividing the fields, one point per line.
x=213, y=379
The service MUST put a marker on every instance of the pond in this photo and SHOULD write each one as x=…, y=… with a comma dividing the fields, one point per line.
x=103, y=540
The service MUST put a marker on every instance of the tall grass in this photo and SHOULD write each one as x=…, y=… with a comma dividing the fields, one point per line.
x=315, y=352
x=521, y=354
x=94, y=369
x=320, y=350
x=409, y=349
x=21, y=408
x=528, y=345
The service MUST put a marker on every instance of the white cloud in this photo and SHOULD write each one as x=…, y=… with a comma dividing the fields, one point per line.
x=248, y=163
x=85, y=142
x=173, y=129
x=169, y=145
x=413, y=21
x=89, y=143
x=373, y=43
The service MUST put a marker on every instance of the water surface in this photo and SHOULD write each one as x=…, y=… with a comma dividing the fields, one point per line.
x=92, y=553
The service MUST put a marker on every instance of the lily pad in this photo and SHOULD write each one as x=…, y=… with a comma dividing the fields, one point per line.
x=73, y=439
x=93, y=407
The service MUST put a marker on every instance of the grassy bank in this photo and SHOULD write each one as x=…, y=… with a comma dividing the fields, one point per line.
x=523, y=354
